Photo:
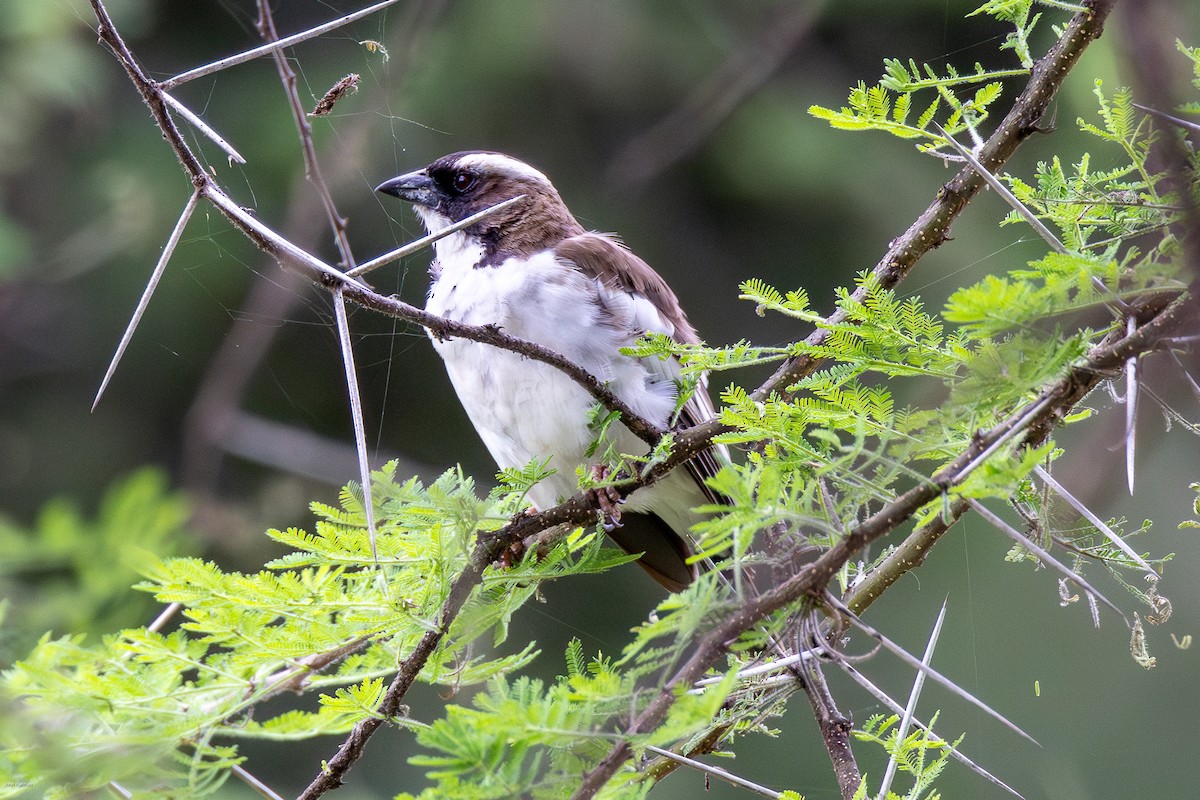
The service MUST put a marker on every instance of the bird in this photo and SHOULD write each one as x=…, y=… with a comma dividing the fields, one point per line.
x=532, y=270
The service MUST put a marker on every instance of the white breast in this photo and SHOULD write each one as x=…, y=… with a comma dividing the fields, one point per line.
x=524, y=409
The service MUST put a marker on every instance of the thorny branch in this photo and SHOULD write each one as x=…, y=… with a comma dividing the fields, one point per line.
x=1155, y=317
x=809, y=584
x=289, y=255
x=932, y=228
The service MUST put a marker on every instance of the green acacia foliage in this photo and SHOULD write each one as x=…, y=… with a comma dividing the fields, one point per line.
x=162, y=713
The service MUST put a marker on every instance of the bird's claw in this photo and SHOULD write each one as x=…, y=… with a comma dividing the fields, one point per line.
x=511, y=555
x=607, y=499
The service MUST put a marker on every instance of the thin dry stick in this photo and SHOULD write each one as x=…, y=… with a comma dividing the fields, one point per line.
x=910, y=709
x=276, y=244
x=203, y=127
x=147, y=293
x=443, y=328
x=272, y=47
x=716, y=772
x=337, y=224
x=1043, y=554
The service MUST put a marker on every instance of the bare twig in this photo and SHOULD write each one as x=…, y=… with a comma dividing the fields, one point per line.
x=910, y=710
x=1043, y=554
x=273, y=47
x=147, y=293
x=276, y=244
x=1087, y=513
x=337, y=224
x=204, y=128
x=716, y=772
x=444, y=328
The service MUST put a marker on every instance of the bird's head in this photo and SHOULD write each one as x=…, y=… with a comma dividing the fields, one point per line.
x=461, y=184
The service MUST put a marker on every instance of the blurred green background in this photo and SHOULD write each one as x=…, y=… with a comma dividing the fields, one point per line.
x=680, y=125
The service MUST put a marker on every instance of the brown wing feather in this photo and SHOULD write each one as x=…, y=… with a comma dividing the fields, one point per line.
x=606, y=259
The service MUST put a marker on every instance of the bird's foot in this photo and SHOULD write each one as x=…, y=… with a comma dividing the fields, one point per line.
x=607, y=499
x=511, y=555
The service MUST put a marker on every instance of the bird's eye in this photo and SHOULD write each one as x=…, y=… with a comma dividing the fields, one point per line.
x=462, y=181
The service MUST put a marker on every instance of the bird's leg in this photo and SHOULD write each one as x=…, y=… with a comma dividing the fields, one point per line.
x=606, y=498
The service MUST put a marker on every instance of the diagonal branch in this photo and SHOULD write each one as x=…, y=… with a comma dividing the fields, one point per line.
x=932, y=228
x=147, y=293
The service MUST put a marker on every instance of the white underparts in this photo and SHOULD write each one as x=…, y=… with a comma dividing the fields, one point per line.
x=525, y=409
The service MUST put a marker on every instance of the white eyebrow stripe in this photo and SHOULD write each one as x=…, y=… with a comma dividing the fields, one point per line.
x=507, y=165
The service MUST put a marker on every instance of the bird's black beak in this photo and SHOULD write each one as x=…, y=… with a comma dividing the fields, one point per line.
x=415, y=187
